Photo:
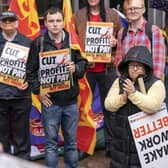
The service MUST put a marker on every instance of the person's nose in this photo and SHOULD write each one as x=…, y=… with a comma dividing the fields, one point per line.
x=55, y=23
x=135, y=68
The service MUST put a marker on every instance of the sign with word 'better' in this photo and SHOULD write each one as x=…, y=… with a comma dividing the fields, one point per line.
x=150, y=133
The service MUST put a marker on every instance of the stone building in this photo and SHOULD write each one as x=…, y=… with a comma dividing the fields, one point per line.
x=156, y=17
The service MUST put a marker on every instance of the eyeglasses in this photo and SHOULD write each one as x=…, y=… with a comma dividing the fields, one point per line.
x=135, y=66
x=8, y=20
x=134, y=9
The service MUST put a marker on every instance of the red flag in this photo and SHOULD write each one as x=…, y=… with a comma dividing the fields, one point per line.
x=86, y=133
x=28, y=17
x=28, y=25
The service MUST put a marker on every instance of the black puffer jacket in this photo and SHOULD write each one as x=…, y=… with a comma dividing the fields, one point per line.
x=123, y=150
x=64, y=97
x=9, y=92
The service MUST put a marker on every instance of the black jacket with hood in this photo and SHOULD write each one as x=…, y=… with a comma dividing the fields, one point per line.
x=64, y=97
x=123, y=150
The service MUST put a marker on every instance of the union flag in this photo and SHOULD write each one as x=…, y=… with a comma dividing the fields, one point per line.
x=28, y=17
x=86, y=133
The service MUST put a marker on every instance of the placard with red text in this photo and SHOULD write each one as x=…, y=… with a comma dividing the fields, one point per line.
x=13, y=64
x=97, y=46
x=150, y=132
x=54, y=74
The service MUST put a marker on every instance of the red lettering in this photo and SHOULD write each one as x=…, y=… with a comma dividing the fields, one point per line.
x=136, y=133
x=165, y=121
x=150, y=127
x=160, y=124
x=142, y=130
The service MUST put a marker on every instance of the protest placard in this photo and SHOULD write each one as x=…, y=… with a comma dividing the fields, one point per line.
x=150, y=133
x=97, y=46
x=13, y=64
x=54, y=74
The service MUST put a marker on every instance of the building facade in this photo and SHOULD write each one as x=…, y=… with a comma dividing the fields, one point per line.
x=156, y=17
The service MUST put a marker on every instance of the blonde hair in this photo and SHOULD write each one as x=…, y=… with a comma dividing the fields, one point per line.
x=127, y=3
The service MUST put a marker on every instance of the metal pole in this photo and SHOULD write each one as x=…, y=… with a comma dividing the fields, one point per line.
x=75, y=5
x=107, y=3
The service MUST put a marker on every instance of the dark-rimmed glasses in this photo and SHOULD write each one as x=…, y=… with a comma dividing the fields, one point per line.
x=134, y=9
x=8, y=20
x=135, y=66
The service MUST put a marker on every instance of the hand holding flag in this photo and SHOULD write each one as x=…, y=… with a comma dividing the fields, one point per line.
x=86, y=133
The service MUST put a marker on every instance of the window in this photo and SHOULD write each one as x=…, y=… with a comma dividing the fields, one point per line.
x=43, y=5
x=4, y=5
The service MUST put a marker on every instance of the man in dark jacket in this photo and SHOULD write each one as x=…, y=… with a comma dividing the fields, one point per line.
x=15, y=101
x=58, y=107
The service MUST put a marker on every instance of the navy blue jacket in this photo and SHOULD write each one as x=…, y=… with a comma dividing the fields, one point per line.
x=10, y=92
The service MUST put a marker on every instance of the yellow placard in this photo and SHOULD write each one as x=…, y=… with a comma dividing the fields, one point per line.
x=54, y=75
x=13, y=64
x=97, y=46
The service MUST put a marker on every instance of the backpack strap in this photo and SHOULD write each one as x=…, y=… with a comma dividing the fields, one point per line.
x=42, y=43
x=41, y=50
x=124, y=33
x=148, y=31
x=165, y=35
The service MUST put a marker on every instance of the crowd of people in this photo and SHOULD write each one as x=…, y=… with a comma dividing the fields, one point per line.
x=135, y=52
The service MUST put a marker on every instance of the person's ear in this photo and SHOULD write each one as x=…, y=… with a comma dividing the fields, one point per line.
x=45, y=23
x=144, y=9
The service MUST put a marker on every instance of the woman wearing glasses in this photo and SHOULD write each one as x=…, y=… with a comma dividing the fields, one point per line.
x=125, y=98
x=136, y=35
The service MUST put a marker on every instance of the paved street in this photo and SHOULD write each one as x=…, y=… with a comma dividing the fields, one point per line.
x=98, y=160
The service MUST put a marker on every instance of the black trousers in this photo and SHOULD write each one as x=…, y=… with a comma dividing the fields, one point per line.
x=14, y=126
x=104, y=80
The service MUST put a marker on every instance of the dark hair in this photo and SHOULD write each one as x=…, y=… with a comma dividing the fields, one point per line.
x=51, y=11
x=102, y=10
